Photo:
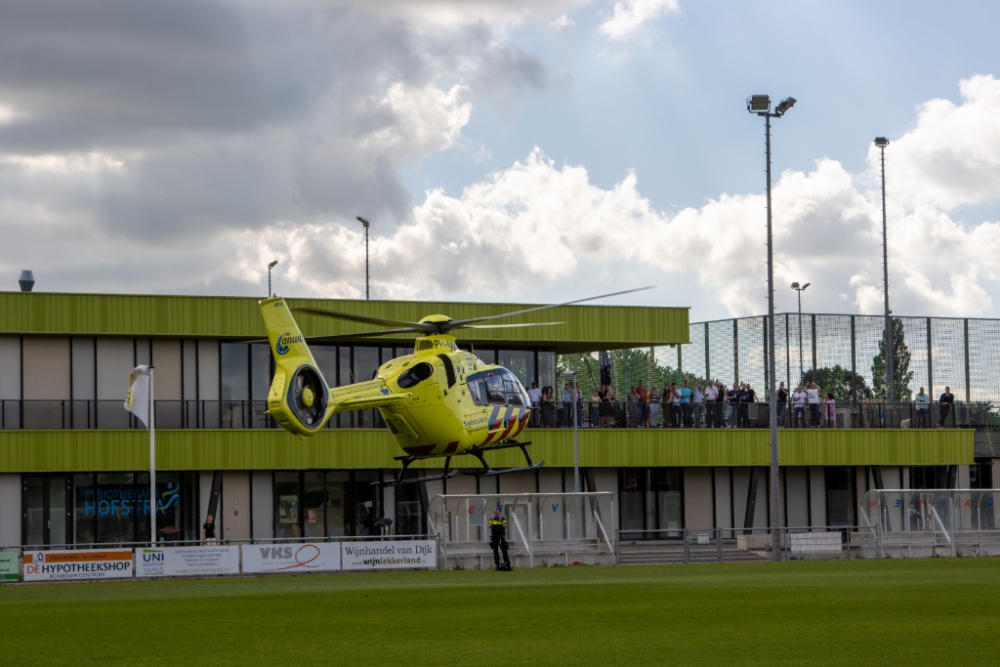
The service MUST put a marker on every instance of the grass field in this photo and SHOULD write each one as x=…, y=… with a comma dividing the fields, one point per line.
x=916, y=612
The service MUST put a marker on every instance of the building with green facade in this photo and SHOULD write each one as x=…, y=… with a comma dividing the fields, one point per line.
x=74, y=464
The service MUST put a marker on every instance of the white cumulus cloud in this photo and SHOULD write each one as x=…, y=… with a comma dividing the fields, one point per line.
x=629, y=15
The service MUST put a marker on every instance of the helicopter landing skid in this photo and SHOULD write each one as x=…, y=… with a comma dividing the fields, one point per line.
x=407, y=460
x=487, y=471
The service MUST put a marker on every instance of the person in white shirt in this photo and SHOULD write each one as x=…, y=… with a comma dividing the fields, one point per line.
x=697, y=397
x=535, y=396
x=711, y=416
x=799, y=399
x=813, y=396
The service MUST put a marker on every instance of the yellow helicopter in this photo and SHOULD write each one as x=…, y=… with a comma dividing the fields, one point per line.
x=440, y=401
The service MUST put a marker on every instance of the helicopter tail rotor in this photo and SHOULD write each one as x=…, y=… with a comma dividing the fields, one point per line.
x=299, y=398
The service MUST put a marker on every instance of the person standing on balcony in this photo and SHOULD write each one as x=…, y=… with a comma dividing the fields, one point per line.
x=667, y=400
x=654, y=407
x=869, y=413
x=698, y=398
x=747, y=397
x=535, y=396
x=685, y=399
x=945, y=404
x=813, y=395
x=831, y=411
x=641, y=395
x=799, y=399
x=567, y=405
x=578, y=399
x=711, y=393
x=782, y=404
x=922, y=421
x=720, y=404
x=733, y=399
x=548, y=407
x=595, y=408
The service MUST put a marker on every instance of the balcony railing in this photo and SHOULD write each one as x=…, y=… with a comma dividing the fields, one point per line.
x=88, y=414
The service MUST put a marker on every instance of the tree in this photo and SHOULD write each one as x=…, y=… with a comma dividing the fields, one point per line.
x=902, y=375
x=838, y=381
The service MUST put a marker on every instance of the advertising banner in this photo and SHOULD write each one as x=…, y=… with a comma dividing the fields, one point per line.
x=389, y=555
x=8, y=566
x=83, y=564
x=308, y=557
x=186, y=561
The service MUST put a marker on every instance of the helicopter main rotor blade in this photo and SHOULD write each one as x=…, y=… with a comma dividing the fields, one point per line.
x=509, y=326
x=458, y=324
x=381, y=321
x=366, y=334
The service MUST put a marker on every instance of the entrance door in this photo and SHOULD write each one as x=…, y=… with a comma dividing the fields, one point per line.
x=235, y=505
x=46, y=510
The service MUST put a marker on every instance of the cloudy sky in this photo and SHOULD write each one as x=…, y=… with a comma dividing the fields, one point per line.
x=515, y=150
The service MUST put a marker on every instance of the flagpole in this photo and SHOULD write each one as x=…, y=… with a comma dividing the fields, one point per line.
x=152, y=462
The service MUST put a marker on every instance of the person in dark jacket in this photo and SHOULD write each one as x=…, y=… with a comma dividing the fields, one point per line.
x=498, y=541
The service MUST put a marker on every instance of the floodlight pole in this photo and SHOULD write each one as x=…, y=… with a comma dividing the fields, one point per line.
x=882, y=142
x=365, y=222
x=766, y=112
x=269, y=268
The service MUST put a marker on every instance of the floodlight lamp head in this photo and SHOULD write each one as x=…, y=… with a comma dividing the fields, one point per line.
x=363, y=221
x=759, y=103
x=272, y=264
x=785, y=105
x=881, y=142
x=806, y=285
x=795, y=285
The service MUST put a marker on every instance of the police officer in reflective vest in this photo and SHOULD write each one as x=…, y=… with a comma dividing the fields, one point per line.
x=498, y=540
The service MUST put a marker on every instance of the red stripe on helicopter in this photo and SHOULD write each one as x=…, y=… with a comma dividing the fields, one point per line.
x=488, y=438
x=509, y=422
x=452, y=446
x=523, y=422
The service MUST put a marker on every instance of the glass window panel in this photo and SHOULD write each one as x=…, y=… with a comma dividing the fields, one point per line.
x=365, y=363
x=546, y=369
x=486, y=355
x=84, y=508
x=519, y=362
x=337, y=485
x=286, y=510
x=345, y=377
x=409, y=509
x=33, y=500
x=326, y=359
x=260, y=371
x=57, y=510
x=116, y=506
x=364, y=501
x=840, y=500
x=234, y=360
x=633, y=503
x=404, y=351
x=668, y=485
x=314, y=504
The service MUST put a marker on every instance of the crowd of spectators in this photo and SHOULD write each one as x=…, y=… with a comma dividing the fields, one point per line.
x=694, y=404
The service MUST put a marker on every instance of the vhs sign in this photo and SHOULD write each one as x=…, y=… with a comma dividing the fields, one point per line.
x=389, y=555
x=308, y=557
x=186, y=561
x=84, y=564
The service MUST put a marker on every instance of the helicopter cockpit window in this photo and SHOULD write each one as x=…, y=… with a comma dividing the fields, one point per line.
x=494, y=389
x=512, y=387
x=477, y=389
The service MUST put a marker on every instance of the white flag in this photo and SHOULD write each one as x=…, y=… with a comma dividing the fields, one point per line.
x=138, y=394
